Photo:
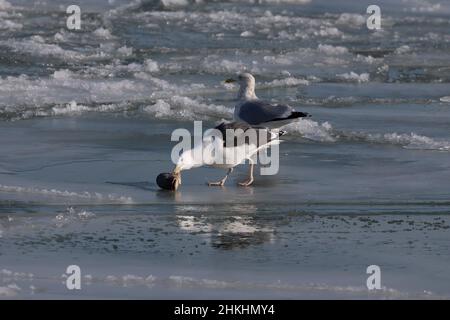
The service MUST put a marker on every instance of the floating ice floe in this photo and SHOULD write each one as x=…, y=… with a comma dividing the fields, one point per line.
x=312, y=130
x=353, y=76
x=5, y=5
x=351, y=20
x=103, y=33
x=8, y=25
x=184, y=108
x=10, y=290
x=324, y=132
x=332, y=50
x=286, y=82
x=402, y=49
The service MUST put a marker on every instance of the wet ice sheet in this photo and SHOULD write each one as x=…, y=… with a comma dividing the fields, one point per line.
x=119, y=159
x=85, y=123
x=190, y=251
x=216, y=242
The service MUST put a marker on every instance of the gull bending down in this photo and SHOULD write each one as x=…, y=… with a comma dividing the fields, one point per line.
x=232, y=152
x=255, y=112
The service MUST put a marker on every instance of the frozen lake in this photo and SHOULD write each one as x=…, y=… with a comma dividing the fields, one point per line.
x=85, y=125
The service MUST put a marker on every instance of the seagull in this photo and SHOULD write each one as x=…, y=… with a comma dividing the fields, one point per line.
x=255, y=112
x=233, y=151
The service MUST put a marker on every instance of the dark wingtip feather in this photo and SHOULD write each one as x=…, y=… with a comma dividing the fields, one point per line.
x=298, y=114
x=294, y=115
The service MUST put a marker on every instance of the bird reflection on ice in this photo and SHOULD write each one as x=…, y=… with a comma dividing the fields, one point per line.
x=228, y=231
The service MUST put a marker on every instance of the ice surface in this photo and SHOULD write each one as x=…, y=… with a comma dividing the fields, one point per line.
x=85, y=124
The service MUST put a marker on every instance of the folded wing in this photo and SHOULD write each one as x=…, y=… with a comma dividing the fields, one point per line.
x=260, y=112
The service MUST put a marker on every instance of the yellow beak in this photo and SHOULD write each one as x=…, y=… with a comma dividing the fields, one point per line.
x=176, y=170
x=177, y=173
x=230, y=80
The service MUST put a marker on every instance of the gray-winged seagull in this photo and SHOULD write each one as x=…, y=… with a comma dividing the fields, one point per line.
x=255, y=112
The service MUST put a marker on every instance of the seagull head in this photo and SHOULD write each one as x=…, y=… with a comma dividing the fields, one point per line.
x=246, y=86
x=192, y=158
x=244, y=79
x=185, y=162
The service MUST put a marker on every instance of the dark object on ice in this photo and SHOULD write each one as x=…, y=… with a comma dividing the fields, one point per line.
x=167, y=181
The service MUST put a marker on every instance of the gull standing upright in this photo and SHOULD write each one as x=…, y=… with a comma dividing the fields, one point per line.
x=255, y=112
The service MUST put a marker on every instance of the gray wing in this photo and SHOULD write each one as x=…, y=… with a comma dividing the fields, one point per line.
x=237, y=137
x=257, y=112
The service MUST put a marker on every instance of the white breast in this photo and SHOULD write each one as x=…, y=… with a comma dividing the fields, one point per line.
x=232, y=157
